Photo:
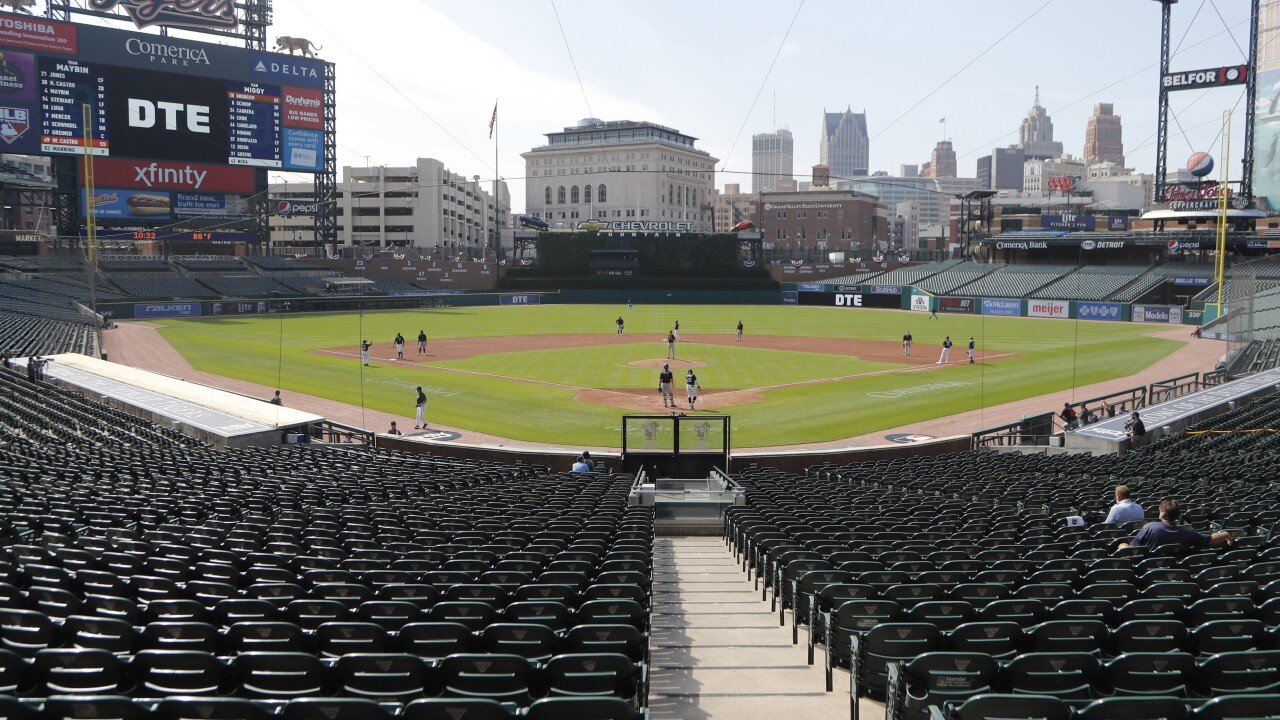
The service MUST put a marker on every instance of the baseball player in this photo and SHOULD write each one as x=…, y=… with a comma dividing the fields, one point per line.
x=691, y=387
x=628, y=303
x=399, y=345
x=365, y=346
x=422, y=342
x=739, y=332
x=970, y=351
x=666, y=386
x=906, y=344
x=671, y=345
x=619, y=323
x=420, y=410
x=945, y=357
x=676, y=330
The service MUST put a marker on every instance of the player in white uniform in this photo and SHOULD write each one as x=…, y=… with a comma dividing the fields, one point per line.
x=970, y=351
x=945, y=357
x=364, y=351
x=691, y=387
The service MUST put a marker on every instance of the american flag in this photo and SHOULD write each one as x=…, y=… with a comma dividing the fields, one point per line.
x=493, y=119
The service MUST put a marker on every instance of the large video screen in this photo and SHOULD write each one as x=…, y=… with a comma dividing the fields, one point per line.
x=156, y=97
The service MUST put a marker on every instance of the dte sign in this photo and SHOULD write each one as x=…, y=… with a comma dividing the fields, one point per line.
x=145, y=114
x=848, y=300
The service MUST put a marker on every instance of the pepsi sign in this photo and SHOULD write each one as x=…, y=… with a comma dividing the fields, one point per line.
x=289, y=208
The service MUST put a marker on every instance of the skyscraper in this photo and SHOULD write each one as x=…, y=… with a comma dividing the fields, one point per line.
x=1036, y=134
x=1103, y=136
x=845, y=147
x=942, y=164
x=772, y=158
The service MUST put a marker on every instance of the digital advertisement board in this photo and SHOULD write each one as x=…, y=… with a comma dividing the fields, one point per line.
x=955, y=305
x=1008, y=307
x=134, y=206
x=849, y=300
x=157, y=97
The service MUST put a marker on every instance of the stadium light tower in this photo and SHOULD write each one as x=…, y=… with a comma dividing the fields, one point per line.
x=1162, y=110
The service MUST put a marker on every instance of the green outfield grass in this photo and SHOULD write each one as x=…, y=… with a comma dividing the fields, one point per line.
x=534, y=399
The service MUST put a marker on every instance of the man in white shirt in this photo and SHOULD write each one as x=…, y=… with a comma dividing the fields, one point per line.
x=1125, y=511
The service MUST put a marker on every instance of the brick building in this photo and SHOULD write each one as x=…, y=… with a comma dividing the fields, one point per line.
x=814, y=222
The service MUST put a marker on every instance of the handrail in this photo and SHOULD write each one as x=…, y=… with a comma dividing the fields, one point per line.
x=1175, y=387
x=329, y=431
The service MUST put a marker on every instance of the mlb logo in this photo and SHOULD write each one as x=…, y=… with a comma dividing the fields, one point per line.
x=14, y=123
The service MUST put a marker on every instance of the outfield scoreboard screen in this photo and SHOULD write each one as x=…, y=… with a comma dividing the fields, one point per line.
x=156, y=97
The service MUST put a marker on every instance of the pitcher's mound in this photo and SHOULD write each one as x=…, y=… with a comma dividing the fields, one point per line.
x=675, y=364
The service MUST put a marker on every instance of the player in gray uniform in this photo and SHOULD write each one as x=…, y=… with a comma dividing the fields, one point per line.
x=666, y=386
x=691, y=387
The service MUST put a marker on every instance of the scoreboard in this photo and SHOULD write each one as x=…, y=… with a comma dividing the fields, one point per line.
x=156, y=97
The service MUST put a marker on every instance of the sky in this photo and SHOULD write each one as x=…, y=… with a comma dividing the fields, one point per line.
x=419, y=78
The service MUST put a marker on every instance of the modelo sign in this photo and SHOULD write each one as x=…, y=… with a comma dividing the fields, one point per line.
x=1157, y=314
x=1048, y=308
x=1008, y=307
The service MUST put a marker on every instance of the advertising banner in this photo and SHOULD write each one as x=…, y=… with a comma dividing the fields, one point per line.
x=1048, y=308
x=1002, y=306
x=530, y=299
x=1099, y=311
x=955, y=305
x=883, y=289
x=1191, y=280
x=119, y=204
x=1157, y=314
x=166, y=310
x=1069, y=222
x=166, y=115
x=920, y=303
x=162, y=175
x=790, y=297
x=238, y=308
x=848, y=300
x=211, y=206
x=811, y=287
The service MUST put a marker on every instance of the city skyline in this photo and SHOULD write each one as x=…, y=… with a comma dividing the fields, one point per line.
x=633, y=68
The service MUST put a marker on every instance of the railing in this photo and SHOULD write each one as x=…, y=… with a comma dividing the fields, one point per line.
x=1212, y=378
x=1173, y=388
x=328, y=431
x=1110, y=405
x=1029, y=431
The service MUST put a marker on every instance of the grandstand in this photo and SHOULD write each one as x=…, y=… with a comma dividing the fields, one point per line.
x=161, y=286
x=207, y=264
x=954, y=277
x=911, y=274
x=1091, y=282
x=1012, y=281
x=244, y=286
x=1158, y=276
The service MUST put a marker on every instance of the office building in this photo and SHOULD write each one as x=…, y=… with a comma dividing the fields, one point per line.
x=772, y=158
x=821, y=220
x=1036, y=173
x=845, y=147
x=621, y=171
x=1036, y=133
x=733, y=206
x=1103, y=136
x=424, y=205
x=942, y=163
x=1001, y=170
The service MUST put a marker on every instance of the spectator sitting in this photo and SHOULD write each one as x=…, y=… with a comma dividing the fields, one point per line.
x=1069, y=417
x=1135, y=427
x=275, y=399
x=394, y=430
x=1167, y=532
x=1111, y=411
x=1125, y=511
x=580, y=466
x=586, y=458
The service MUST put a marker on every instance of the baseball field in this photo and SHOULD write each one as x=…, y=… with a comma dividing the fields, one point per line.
x=561, y=374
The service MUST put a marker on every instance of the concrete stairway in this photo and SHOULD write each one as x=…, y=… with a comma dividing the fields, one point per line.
x=718, y=652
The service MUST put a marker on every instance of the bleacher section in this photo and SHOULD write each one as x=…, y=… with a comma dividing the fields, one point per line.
x=161, y=286
x=277, y=262
x=139, y=579
x=958, y=276
x=206, y=264
x=132, y=263
x=854, y=279
x=912, y=274
x=25, y=335
x=934, y=580
x=244, y=286
x=1092, y=282
x=1013, y=281
x=304, y=283
x=1157, y=277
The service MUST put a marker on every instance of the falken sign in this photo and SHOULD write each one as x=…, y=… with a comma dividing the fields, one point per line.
x=194, y=14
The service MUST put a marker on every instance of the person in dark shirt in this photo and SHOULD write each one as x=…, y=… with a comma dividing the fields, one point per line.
x=1069, y=417
x=1168, y=532
x=1135, y=426
x=275, y=399
x=666, y=388
x=394, y=430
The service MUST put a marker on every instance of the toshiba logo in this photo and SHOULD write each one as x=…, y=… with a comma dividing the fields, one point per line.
x=304, y=101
